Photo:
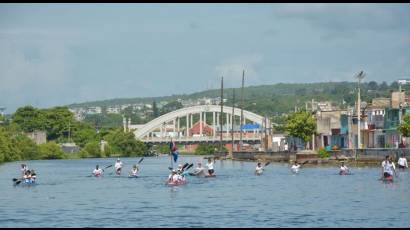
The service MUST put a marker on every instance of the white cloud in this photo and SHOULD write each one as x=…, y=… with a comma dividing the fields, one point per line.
x=231, y=69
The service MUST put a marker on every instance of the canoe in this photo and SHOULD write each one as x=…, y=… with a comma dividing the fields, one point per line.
x=177, y=183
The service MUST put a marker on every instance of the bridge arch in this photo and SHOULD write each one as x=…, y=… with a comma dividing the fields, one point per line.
x=185, y=112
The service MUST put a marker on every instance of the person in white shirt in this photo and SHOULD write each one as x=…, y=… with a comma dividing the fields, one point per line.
x=259, y=169
x=118, y=166
x=388, y=168
x=402, y=162
x=295, y=167
x=343, y=169
x=97, y=171
x=210, y=166
x=23, y=169
x=134, y=171
x=199, y=170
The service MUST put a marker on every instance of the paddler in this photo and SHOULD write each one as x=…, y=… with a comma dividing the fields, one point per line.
x=33, y=175
x=27, y=176
x=388, y=168
x=402, y=162
x=343, y=169
x=259, y=169
x=295, y=167
x=97, y=171
x=134, y=171
x=199, y=170
x=23, y=169
x=210, y=166
x=118, y=166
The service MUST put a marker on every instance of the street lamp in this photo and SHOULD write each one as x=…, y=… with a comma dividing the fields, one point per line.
x=359, y=77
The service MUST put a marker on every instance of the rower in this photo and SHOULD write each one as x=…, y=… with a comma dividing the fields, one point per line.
x=295, y=167
x=23, y=169
x=388, y=168
x=134, y=171
x=97, y=171
x=259, y=169
x=343, y=169
x=118, y=166
x=210, y=166
x=402, y=162
x=199, y=170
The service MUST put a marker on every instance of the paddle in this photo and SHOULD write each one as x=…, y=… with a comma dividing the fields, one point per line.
x=267, y=163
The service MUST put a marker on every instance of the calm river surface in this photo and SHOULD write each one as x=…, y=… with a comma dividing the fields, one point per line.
x=316, y=197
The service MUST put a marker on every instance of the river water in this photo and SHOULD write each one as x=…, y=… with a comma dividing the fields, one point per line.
x=316, y=197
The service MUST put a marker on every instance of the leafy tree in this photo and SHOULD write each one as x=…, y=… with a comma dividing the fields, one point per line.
x=82, y=133
x=125, y=144
x=404, y=128
x=92, y=149
x=51, y=150
x=57, y=122
x=29, y=118
x=301, y=124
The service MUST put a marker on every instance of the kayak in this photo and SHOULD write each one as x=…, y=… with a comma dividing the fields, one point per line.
x=27, y=183
x=97, y=175
x=343, y=173
x=210, y=176
x=133, y=176
x=388, y=179
x=177, y=183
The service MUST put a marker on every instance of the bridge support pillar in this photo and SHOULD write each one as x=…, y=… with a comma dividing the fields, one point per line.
x=200, y=124
x=213, y=124
x=187, y=125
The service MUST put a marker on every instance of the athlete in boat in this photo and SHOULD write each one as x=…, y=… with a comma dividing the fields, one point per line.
x=295, y=167
x=343, y=169
x=402, y=162
x=388, y=168
x=118, y=166
x=199, y=170
x=210, y=166
x=134, y=171
x=259, y=169
x=97, y=171
x=23, y=169
x=27, y=177
x=33, y=175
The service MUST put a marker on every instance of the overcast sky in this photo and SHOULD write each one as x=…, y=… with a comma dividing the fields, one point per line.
x=57, y=54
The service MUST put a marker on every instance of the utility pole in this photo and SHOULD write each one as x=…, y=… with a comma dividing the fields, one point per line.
x=233, y=118
x=359, y=77
x=241, y=119
x=221, y=115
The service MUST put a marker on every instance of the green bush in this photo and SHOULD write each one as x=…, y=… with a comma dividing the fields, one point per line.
x=51, y=150
x=323, y=153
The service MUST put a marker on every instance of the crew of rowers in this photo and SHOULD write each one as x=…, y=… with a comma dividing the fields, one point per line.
x=118, y=167
x=178, y=175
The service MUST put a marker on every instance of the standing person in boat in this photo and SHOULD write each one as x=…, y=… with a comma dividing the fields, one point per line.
x=295, y=167
x=343, y=169
x=210, y=166
x=388, y=168
x=199, y=170
x=97, y=171
x=118, y=166
x=23, y=169
x=402, y=162
x=134, y=171
x=259, y=169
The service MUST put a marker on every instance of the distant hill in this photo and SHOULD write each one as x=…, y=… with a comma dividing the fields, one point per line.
x=276, y=98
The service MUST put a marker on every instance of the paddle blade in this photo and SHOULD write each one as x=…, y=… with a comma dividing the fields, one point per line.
x=18, y=182
x=267, y=164
x=15, y=179
x=170, y=168
x=305, y=162
x=189, y=166
x=185, y=165
x=141, y=160
x=108, y=166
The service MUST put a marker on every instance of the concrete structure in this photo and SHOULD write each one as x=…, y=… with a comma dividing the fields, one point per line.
x=39, y=137
x=145, y=132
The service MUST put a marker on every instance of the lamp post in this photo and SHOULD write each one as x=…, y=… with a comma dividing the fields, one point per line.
x=359, y=77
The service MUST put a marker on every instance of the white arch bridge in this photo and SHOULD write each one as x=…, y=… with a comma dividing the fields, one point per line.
x=168, y=126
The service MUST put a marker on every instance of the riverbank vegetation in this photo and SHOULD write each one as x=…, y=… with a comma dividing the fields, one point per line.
x=59, y=125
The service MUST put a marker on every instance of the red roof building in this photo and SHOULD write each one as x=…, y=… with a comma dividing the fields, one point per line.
x=206, y=129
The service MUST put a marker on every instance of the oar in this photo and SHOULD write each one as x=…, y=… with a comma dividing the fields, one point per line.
x=305, y=162
x=140, y=160
x=185, y=172
x=267, y=163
